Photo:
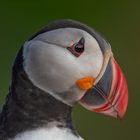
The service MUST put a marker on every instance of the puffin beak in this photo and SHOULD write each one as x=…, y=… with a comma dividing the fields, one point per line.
x=107, y=94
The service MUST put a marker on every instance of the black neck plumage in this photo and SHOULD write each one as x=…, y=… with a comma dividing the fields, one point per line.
x=28, y=107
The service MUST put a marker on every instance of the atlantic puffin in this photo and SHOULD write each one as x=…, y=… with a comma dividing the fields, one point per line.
x=65, y=63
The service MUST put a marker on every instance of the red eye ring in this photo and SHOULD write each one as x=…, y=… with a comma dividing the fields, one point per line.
x=78, y=48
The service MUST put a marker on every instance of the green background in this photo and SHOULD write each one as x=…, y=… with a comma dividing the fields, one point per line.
x=117, y=20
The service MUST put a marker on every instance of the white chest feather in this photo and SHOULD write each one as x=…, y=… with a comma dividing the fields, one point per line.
x=47, y=134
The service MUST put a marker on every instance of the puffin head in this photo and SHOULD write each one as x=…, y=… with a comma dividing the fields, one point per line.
x=74, y=63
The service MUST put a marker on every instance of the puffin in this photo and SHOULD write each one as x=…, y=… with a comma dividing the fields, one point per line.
x=65, y=63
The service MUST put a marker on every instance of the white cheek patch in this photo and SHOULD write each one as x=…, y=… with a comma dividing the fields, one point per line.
x=48, y=66
x=52, y=68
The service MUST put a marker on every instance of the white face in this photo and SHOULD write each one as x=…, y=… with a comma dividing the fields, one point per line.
x=54, y=69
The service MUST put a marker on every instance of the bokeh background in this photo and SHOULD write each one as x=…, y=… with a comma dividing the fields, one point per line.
x=117, y=20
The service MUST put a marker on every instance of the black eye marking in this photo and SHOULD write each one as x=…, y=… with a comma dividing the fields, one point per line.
x=78, y=48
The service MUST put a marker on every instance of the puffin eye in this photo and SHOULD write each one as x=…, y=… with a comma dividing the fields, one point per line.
x=78, y=48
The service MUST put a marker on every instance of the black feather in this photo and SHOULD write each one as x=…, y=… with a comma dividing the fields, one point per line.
x=28, y=107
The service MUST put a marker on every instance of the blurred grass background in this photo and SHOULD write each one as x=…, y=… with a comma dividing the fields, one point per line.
x=118, y=21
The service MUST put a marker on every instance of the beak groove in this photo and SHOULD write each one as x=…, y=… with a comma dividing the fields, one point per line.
x=110, y=94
